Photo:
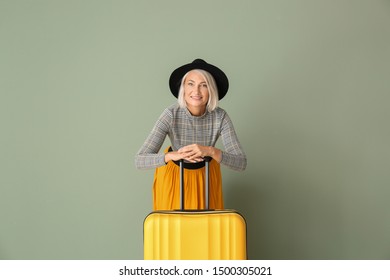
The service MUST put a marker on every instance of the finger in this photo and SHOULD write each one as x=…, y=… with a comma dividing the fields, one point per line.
x=195, y=158
x=190, y=160
x=191, y=147
x=183, y=149
x=186, y=155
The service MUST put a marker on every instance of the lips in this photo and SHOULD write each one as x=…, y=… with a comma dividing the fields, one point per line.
x=196, y=97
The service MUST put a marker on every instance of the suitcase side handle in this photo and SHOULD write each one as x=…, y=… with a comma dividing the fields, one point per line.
x=207, y=186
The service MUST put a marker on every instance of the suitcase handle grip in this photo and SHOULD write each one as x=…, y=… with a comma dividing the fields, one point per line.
x=207, y=186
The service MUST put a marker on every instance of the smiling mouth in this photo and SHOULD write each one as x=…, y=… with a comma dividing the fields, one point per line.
x=196, y=97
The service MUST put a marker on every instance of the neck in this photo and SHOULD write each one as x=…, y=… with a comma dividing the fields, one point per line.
x=196, y=111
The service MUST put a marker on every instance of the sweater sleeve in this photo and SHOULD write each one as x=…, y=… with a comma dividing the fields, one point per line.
x=148, y=156
x=233, y=155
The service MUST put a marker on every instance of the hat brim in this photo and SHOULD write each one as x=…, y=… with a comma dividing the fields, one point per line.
x=219, y=77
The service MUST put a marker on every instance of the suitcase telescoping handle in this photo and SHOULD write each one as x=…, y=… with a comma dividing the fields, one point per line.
x=207, y=187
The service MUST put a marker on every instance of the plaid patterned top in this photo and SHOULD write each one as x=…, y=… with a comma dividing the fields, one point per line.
x=184, y=129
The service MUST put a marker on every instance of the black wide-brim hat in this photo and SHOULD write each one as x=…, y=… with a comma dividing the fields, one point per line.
x=219, y=76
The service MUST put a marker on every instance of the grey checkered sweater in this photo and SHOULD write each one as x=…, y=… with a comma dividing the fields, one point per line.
x=184, y=129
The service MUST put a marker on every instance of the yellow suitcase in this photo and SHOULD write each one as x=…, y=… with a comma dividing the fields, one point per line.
x=195, y=235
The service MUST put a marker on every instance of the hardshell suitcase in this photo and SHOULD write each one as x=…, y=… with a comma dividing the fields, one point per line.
x=195, y=235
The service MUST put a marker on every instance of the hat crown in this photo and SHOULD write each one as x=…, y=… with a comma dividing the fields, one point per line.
x=199, y=61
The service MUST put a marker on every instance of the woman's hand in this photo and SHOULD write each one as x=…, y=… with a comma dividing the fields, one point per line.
x=185, y=153
x=173, y=155
x=196, y=153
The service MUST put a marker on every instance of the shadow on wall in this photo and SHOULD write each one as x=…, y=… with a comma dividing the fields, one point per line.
x=249, y=200
x=287, y=221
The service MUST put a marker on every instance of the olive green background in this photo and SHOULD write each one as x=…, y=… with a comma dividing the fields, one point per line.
x=82, y=83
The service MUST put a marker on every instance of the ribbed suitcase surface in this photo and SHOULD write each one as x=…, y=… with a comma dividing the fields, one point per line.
x=200, y=235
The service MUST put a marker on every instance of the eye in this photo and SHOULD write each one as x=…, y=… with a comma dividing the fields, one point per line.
x=204, y=85
x=190, y=84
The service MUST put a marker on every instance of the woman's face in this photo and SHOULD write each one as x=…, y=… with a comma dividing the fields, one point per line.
x=196, y=93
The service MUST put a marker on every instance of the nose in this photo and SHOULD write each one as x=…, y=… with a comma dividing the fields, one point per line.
x=197, y=89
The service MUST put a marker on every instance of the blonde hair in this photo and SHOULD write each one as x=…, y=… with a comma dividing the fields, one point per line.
x=211, y=85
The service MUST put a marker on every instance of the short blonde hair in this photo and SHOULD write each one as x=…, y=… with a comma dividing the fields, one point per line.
x=211, y=85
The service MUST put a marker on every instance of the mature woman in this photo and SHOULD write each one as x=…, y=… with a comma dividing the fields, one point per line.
x=193, y=126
